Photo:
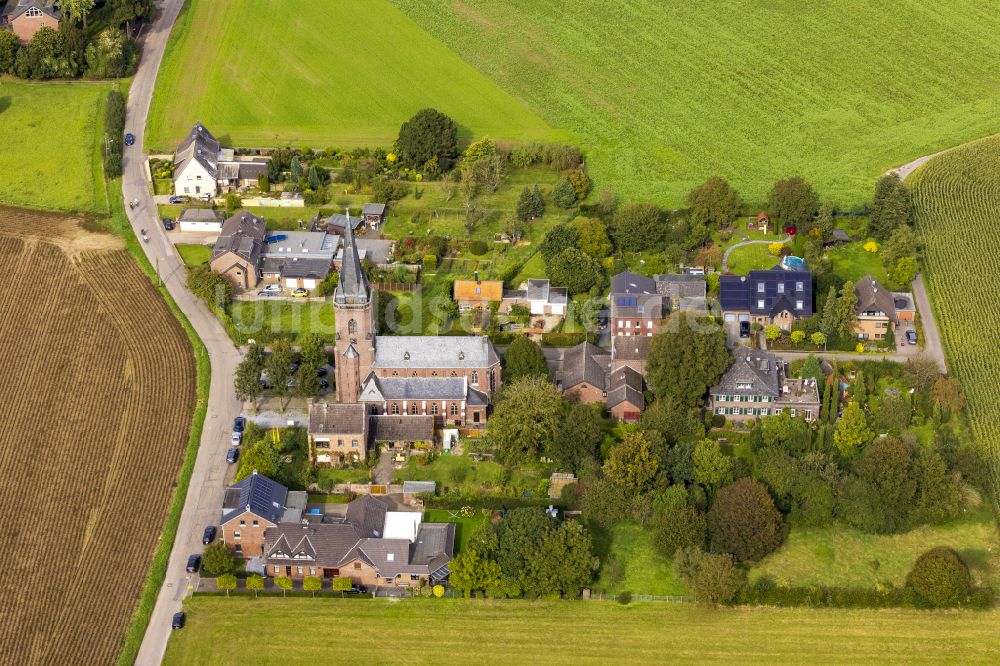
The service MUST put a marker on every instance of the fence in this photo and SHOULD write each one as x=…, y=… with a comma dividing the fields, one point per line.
x=396, y=286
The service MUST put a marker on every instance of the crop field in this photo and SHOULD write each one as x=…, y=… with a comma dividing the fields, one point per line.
x=455, y=631
x=957, y=198
x=343, y=73
x=50, y=157
x=98, y=394
x=664, y=94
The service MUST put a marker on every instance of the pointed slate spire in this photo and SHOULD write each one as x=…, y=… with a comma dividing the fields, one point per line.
x=352, y=285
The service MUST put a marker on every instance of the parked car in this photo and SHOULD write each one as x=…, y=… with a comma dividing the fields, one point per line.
x=207, y=196
x=177, y=199
x=208, y=536
x=300, y=292
x=295, y=365
x=232, y=454
x=911, y=336
x=270, y=290
x=129, y=139
x=178, y=621
x=168, y=224
x=744, y=329
x=358, y=589
x=194, y=563
x=324, y=384
x=321, y=371
x=236, y=438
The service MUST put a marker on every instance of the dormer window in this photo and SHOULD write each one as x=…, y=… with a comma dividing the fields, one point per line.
x=798, y=286
x=760, y=287
x=744, y=385
x=781, y=287
x=760, y=304
x=33, y=12
x=798, y=305
x=406, y=356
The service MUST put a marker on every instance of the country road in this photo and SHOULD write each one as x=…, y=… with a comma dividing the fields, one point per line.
x=204, y=497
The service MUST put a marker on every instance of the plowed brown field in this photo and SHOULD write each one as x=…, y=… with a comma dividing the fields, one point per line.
x=97, y=391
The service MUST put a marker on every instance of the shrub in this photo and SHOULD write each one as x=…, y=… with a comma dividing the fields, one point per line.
x=563, y=194
x=217, y=559
x=940, y=577
x=427, y=135
x=681, y=528
x=711, y=579
x=871, y=246
x=624, y=598
x=743, y=521
x=478, y=247
x=430, y=261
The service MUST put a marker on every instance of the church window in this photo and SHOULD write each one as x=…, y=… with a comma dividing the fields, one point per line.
x=434, y=408
x=352, y=326
x=413, y=409
x=475, y=378
x=454, y=409
x=395, y=408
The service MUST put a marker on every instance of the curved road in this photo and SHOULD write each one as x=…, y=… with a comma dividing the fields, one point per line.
x=204, y=497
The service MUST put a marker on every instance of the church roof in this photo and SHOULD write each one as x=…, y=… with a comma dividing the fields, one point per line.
x=352, y=285
x=435, y=351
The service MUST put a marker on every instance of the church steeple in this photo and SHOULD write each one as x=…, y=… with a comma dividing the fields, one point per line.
x=352, y=285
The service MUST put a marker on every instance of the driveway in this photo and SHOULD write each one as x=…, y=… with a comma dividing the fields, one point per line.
x=204, y=497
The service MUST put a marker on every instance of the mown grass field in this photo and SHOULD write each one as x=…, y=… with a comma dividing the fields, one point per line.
x=838, y=556
x=295, y=631
x=957, y=198
x=92, y=443
x=345, y=73
x=51, y=154
x=262, y=318
x=663, y=95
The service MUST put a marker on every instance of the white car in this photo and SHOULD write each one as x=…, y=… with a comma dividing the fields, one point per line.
x=270, y=290
x=236, y=438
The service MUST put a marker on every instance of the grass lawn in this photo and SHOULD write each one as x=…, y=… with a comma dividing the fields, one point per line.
x=344, y=74
x=751, y=258
x=51, y=153
x=461, y=472
x=464, y=527
x=342, y=475
x=639, y=568
x=851, y=262
x=665, y=94
x=273, y=630
x=265, y=318
x=194, y=255
x=841, y=556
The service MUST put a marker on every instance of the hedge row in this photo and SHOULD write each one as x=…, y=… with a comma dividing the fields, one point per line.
x=765, y=592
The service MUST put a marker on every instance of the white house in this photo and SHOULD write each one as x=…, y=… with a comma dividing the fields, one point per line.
x=205, y=220
x=196, y=163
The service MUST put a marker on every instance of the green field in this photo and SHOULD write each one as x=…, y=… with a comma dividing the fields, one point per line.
x=296, y=631
x=194, y=255
x=262, y=318
x=838, y=556
x=343, y=73
x=957, y=197
x=51, y=154
x=641, y=570
x=664, y=94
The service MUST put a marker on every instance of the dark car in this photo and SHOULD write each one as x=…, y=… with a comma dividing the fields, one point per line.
x=744, y=329
x=129, y=139
x=324, y=384
x=295, y=365
x=208, y=536
x=321, y=371
x=168, y=224
x=911, y=336
x=239, y=424
x=358, y=589
x=178, y=621
x=194, y=563
x=232, y=454
x=176, y=199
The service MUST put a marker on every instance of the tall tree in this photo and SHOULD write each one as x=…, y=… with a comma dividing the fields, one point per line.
x=247, y=381
x=631, y=464
x=712, y=468
x=77, y=10
x=561, y=237
x=852, y=431
x=683, y=361
x=527, y=417
x=573, y=269
x=744, y=522
x=847, y=317
x=793, y=201
x=891, y=207
x=711, y=579
x=428, y=134
x=279, y=367
x=714, y=203
x=563, y=563
x=829, y=323
x=524, y=358
x=579, y=439
x=593, y=236
x=637, y=227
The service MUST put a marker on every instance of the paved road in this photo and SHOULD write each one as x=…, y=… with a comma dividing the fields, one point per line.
x=204, y=497
x=932, y=338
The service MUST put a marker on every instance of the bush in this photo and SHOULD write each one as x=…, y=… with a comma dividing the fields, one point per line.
x=217, y=559
x=114, y=128
x=111, y=55
x=940, y=578
x=743, y=521
x=430, y=261
x=563, y=194
x=711, y=579
x=624, y=598
x=682, y=528
x=427, y=135
x=478, y=247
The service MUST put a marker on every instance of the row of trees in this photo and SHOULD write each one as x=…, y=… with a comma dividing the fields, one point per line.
x=284, y=375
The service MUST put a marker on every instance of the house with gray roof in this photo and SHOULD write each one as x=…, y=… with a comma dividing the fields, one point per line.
x=447, y=400
x=251, y=506
x=374, y=214
x=777, y=296
x=297, y=259
x=538, y=296
x=587, y=373
x=203, y=166
x=372, y=545
x=637, y=307
x=625, y=400
x=206, y=220
x=338, y=432
x=683, y=291
x=450, y=356
x=755, y=385
x=876, y=310
x=26, y=17
x=238, y=251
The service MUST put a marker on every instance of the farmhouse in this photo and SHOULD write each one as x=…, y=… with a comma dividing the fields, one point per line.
x=587, y=373
x=637, y=307
x=776, y=296
x=371, y=545
x=26, y=17
x=473, y=294
x=238, y=251
x=251, y=506
x=207, y=220
x=755, y=386
x=202, y=166
x=879, y=310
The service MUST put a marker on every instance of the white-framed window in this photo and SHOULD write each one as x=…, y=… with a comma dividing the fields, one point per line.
x=255, y=523
x=793, y=412
x=33, y=12
x=454, y=409
x=798, y=305
x=277, y=569
x=760, y=287
x=475, y=378
x=413, y=409
x=809, y=414
x=322, y=443
x=312, y=571
x=649, y=324
x=434, y=409
x=394, y=409
x=340, y=443
x=798, y=286
x=236, y=534
x=298, y=570
x=781, y=287
x=354, y=443
x=628, y=324
x=621, y=324
x=760, y=304
x=719, y=410
x=243, y=523
x=777, y=411
x=187, y=190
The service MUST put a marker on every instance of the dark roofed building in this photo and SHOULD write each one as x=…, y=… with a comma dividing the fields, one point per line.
x=755, y=386
x=581, y=372
x=631, y=351
x=625, y=399
x=196, y=163
x=402, y=429
x=683, y=291
x=875, y=310
x=775, y=296
x=238, y=250
x=26, y=17
x=637, y=308
x=374, y=214
x=352, y=284
x=441, y=399
x=252, y=505
x=338, y=432
x=367, y=516
x=207, y=220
